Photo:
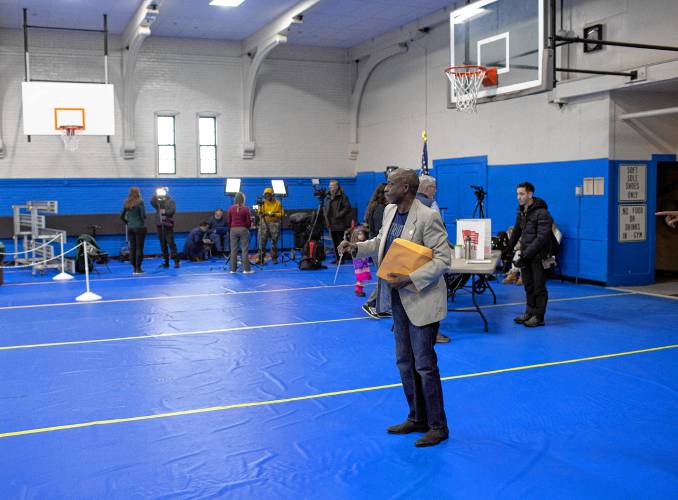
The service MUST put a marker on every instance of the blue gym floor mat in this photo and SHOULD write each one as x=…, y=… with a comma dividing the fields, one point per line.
x=594, y=428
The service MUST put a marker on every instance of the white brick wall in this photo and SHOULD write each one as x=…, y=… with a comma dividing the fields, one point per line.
x=301, y=111
x=408, y=93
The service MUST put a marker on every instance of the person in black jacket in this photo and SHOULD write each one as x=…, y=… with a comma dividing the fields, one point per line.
x=337, y=213
x=533, y=230
x=165, y=208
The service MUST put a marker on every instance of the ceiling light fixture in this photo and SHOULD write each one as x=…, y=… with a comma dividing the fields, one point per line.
x=226, y=3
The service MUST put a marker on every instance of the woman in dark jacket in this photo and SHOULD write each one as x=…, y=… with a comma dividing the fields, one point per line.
x=337, y=212
x=134, y=216
x=374, y=214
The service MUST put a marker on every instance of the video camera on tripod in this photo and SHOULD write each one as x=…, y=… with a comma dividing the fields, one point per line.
x=480, y=194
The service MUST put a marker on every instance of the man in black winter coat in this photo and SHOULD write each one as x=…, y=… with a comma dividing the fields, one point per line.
x=533, y=230
x=337, y=214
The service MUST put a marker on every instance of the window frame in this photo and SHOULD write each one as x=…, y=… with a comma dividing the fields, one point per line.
x=165, y=114
x=213, y=116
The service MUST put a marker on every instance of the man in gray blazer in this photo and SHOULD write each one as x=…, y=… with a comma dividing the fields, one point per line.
x=418, y=303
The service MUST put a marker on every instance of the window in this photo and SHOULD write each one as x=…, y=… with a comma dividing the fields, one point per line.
x=207, y=144
x=167, y=149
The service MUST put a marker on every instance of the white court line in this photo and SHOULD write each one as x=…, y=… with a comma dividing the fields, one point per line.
x=257, y=327
x=637, y=292
x=173, y=297
x=153, y=276
x=181, y=334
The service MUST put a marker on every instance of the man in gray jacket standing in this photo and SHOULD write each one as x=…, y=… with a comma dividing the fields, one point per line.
x=418, y=303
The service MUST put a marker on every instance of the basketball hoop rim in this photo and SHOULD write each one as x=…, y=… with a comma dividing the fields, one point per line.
x=463, y=70
x=71, y=129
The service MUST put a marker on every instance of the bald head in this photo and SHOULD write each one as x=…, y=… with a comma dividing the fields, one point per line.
x=406, y=176
x=402, y=184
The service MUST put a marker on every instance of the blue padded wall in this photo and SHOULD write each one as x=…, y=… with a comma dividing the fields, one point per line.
x=105, y=196
x=583, y=220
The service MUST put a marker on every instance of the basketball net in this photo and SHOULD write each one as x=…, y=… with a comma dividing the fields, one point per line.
x=466, y=81
x=71, y=136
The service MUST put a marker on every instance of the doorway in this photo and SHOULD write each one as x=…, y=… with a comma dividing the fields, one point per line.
x=666, y=251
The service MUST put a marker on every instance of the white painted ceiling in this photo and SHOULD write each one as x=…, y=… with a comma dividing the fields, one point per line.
x=330, y=23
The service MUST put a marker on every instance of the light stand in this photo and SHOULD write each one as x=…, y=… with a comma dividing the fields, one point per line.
x=280, y=190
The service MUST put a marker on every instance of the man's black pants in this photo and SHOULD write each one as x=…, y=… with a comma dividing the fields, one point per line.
x=337, y=237
x=534, y=281
x=166, y=236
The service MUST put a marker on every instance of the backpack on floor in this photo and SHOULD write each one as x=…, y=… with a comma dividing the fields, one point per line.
x=312, y=256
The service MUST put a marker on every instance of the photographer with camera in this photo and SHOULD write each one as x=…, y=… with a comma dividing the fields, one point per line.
x=270, y=217
x=197, y=241
x=165, y=208
x=337, y=213
x=533, y=228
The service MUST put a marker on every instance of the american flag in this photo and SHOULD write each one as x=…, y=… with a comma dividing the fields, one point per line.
x=424, y=154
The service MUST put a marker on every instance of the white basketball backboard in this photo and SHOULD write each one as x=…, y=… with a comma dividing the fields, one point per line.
x=49, y=105
x=505, y=34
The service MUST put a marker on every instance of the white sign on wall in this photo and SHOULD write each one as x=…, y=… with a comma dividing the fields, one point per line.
x=632, y=223
x=632, y=182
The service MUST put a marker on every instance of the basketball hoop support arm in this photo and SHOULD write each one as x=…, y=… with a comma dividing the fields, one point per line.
x=554, y=40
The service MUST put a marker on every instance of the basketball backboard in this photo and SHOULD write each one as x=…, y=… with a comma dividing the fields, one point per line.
x=49, y=106
x=506, y=34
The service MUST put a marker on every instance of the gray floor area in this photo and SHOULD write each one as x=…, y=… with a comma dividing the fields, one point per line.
x=668, y=287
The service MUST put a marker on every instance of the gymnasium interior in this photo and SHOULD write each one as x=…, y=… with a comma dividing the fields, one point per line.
x=260, y=374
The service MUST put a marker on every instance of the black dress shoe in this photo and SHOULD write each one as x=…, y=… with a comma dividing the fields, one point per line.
x=522, y=318
x=432, y=437
x=534, y=321
x=407, y=427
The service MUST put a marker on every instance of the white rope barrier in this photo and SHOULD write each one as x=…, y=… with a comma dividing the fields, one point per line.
x=39, y=263
x=88, y=296
x=58, y=236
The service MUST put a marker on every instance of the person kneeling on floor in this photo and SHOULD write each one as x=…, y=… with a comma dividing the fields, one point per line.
x=197, y=243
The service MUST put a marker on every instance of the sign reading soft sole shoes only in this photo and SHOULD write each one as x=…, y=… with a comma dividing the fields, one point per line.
x=632, y=183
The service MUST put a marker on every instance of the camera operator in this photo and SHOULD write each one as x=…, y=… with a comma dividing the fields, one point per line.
x=533, y=228
x=337, y=212
x=270, y=216
x=197, y=242
x=165, y=208
x=218, y=229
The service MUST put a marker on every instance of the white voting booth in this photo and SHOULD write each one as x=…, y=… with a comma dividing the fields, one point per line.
x=479, y=233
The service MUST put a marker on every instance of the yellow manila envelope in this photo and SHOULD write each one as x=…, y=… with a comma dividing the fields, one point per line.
x=403, y=257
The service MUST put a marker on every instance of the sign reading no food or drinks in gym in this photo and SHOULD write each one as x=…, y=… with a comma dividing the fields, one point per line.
x=632, y=182
x=632, y=223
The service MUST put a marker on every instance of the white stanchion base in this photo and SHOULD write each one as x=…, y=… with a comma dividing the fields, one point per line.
x=62, y=277
x=88, y=297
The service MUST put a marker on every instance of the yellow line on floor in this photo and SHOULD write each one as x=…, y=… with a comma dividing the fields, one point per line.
x=315, y=396
x=180, y=334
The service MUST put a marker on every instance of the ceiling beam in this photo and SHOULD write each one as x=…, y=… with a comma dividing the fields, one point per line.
x=138, y=29
x=404, y=34
x=278, y=26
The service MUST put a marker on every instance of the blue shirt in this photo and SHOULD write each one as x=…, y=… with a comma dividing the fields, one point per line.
x=394, y=231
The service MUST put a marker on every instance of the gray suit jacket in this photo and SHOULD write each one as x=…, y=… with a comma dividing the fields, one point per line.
x=425, y=300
